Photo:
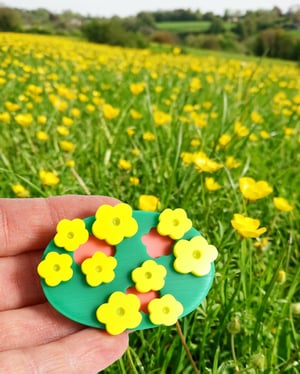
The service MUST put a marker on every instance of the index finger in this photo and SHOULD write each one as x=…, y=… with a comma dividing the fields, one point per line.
x=29, y=224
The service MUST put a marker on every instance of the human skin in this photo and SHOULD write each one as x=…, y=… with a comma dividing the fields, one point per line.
x=35, y=338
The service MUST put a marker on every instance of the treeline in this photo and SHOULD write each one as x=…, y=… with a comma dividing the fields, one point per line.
x=262, y=32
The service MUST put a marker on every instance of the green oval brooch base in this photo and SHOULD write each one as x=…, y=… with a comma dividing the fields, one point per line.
x=127, y=270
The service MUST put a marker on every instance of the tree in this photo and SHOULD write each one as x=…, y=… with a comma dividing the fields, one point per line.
x=216, y=26
x=9, y=20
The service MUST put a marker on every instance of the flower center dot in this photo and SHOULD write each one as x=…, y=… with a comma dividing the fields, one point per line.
x=116, y=221
x=196, y=254
x=120, y=311
x=70, y=235
x=175, y=222
x=148, y=275
x=166, y=310
x=98, y=269
x=56, y=267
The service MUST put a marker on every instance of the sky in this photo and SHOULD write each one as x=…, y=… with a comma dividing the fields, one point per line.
x=108, y=8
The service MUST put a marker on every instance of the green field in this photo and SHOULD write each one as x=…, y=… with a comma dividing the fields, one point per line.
x=215, y=135
x=188, y=26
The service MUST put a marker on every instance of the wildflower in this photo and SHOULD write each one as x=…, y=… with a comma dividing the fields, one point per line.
x=281, y=277
x=42, y=120
x=231, y=162
x=70, y=163
x=55, y=268
x=135, y=114
x=253, y=137
x=134, y=181
x=136, y=152
x=114, y=223
x=67, y=146
x=75, y=112
x=90, y=108
x=195, y=85
x=253, y=190
x=176, y=51
x=130, y=131
x=42, y=136
x=194, y=256
x=24, y=120
x=70, y=234
x=19, y=190
x=240, y=130
x=62, y=130
x=109, y=112
x=121, y=312
x=195, y=142
x=288, y=131
x=256, y=117
x=124, y=164
x=262, y=243
x=137, y=88
x=247, y=227
x=211, y=184
x=48, y=178
x=264, y=134
x=149, y=276
x=99, y=269
x=165, y=311
x=67, y=121
x=173, y=223
x=224, y=140
x=148, y=136
x=149, y=203
x=5, y=117
x=204, y=163
x=161, y=118
x=12, y=107
x=282, y=204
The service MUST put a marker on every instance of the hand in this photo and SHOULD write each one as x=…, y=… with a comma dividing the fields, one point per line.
x=34, y=337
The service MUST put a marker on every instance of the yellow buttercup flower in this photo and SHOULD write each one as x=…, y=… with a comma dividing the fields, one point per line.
x=231, y=162
x=224, y=140
x=25, y=120
x=165, y=311
x=109, y=112
x=67, y=121
x=241, y=130
x=99, y=269
x=62, y=130
x=161, y=118
x=282, y=204
x=204, y=163
x=137, y=88
x=149, y=203
x=256, y=117
x=211, y=184
x=124, y=164
x=149, y=276
x=253, y=190
x=19, y=190
x=194, y=256
x=5, y=117
x=42, y=120
x=134, y=181
x=67, y=146
x=135, y=114
x=55, y=268
x=114, y=223
x=247, y=227
x=71, y=234
x=148, y=136
x=42, y=136
x=173, y=223
x=48, y=178
x=120, y=313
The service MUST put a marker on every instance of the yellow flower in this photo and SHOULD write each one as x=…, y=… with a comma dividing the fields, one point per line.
x=75, y=112
x=70, y=163
x=240, y=130
x=203, y=163
x=165, y=311
x=149, y=136
x=211, y=184
x=124, y=164
x=130, y=131
x=67, y=121
x=134, y=181
x=253, y=190
x=231, y=162
x=161, y=118
x=19, y=190
x=149, y=276
x=282, y=204
x=194, y=256
x=99, y=269
x=173, y=223
x=176, y=51
x=121, y=312
x=25, y=120
x=135, y=114
x=224, y=140
x=195, y=142
x=62, y=130
x=114, y=223
x=136, y=152
x=48, y=178
x=71, y=234
x=247, y=227
x=288, y=131
x=195, y=85
x=137, y=88
x=264, y=134
x=110, y=112
x=256, y=117
x=5, y=117
x=11, y=107
x=262, y=243
x=42, y=136
x=42, y=120
x=67, y=146
x=149, y=203
x=55, y=268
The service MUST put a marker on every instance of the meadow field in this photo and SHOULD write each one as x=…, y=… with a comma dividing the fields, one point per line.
x=218, y=137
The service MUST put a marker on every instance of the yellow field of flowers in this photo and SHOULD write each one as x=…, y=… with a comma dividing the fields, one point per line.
x=218, y=137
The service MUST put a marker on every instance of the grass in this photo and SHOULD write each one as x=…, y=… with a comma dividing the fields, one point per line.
x=188, y=26
x=250, y=320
